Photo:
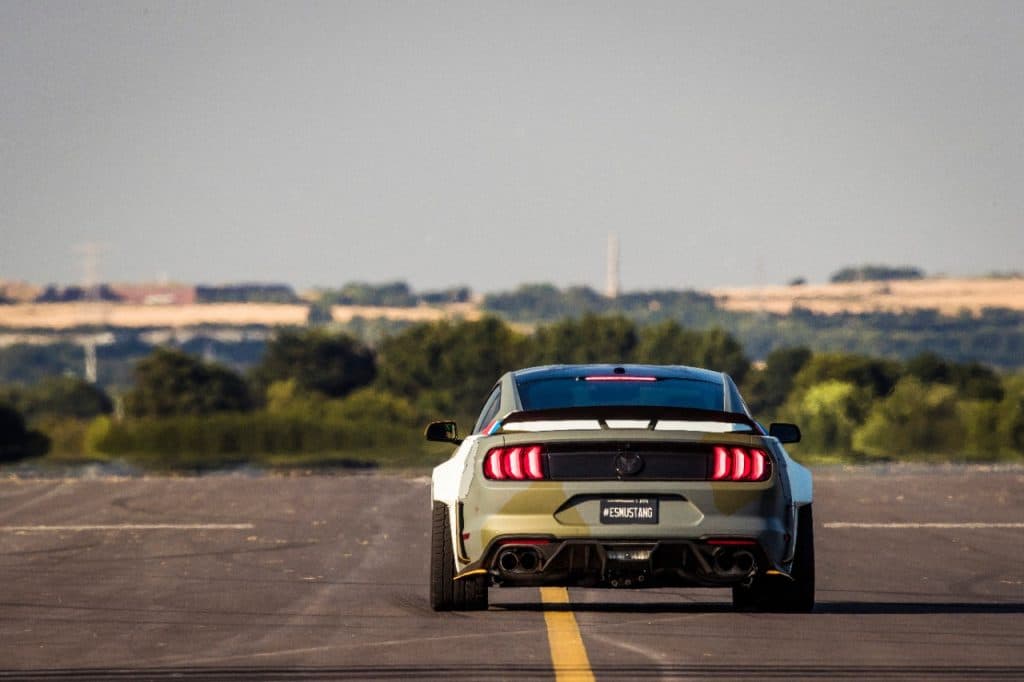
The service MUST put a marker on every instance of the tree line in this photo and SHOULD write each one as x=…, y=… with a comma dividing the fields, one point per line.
x=318, y=392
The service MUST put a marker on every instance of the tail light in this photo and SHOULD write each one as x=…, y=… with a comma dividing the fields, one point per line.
x=517, y=463
x=731, y=463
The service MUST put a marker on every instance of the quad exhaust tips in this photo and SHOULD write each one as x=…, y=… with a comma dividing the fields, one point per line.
x=733, y=563
x=519, y=560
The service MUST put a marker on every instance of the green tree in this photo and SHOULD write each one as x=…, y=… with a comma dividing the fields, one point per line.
x=981, y=429
x=719, y=350
x=28, y=362
x=668, y=343
x=449, y=367
x=828, y=414
x=878, y=375
x=877, y=273
x=766, y=389
x=1011, y=415
x=972, y=380
x=373, y=407
x=591, y=338
x=397, y=294
x=16, y=440
x=545, y=302
x=63, y=397
x=331, y=364
x=169, y=382
x=916, y=420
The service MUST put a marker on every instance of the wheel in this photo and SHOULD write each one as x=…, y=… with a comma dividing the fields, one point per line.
x=776, y=593
x=447, y=593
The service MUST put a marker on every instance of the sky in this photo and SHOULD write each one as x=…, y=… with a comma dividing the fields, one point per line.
x=496, y=143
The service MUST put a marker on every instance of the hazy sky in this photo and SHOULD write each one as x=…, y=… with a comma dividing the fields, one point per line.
x=497, y=143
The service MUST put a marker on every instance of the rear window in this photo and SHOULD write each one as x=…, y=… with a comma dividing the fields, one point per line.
x=546, y=394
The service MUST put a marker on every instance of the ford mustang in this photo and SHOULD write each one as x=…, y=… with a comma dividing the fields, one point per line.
x=621, y=476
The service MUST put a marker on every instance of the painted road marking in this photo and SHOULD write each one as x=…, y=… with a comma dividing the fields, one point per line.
x=127, y=526
x=568, y=655
x=898, y=526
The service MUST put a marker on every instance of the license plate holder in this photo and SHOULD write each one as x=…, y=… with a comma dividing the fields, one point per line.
x=643, y=510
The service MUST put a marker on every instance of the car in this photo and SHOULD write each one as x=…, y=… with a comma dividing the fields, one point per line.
x=620, y=476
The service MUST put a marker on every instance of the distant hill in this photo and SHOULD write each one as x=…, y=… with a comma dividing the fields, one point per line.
x=966, y=320
x=876, y=273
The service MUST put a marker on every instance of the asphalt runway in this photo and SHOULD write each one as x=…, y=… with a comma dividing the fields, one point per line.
x=237, y=577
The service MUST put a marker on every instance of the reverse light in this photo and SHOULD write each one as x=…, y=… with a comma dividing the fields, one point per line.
x=518, y=463
x=739, y=464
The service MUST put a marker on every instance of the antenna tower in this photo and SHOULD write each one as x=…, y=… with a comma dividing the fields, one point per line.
x=612, y=273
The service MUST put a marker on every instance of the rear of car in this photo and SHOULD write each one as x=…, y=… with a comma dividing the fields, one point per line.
x=622, y=477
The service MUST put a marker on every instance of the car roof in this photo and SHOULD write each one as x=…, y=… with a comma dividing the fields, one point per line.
x=659, y=371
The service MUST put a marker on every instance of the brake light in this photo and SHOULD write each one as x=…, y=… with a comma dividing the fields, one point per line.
x=492, y=466
x=758, y=465
x=519, y=463
x=512, y=463
x=534, y=463
x=739, y=464
x=723, y=464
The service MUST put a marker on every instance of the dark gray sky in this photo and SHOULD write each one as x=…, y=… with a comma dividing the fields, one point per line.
x=498, y=143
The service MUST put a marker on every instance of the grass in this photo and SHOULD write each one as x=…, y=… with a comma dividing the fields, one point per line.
x=418, y=457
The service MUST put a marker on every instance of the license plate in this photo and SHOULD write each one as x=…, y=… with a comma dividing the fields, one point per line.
x=641, y=510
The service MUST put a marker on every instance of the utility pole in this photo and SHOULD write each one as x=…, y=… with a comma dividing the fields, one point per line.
x=90, y=253
x=91, y=366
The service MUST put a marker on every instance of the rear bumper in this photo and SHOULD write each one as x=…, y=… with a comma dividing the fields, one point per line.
x=623, y=563
x=566, y=516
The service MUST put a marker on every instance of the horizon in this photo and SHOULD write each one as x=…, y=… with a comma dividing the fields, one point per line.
x=993, y=275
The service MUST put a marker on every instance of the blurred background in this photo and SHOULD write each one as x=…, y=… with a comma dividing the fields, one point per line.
x=288, y=235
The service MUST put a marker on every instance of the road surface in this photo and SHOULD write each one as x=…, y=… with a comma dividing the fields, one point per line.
x=238, y=577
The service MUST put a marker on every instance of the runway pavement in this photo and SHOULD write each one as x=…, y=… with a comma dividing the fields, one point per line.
x=239, y=577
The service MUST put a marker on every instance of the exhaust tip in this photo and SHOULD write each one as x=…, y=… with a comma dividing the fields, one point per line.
x=529, y=560
x=733, y=563
x=508, y=561
x=744, y=562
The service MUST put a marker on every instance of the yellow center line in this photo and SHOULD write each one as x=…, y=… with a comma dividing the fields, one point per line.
x=568, y=655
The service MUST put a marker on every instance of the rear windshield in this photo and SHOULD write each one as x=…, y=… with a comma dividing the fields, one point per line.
x=546, y=394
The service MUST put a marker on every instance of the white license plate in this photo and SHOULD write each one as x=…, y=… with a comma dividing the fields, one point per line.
x=638, y=510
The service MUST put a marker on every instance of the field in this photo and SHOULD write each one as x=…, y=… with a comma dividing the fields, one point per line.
x=71, y=315
x=948, y=296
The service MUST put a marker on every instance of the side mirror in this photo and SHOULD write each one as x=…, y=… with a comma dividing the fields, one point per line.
x=443, y=432
x=786, y=433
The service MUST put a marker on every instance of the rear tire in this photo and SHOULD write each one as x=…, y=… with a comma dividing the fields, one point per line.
x=779, y=594
x=447, y=593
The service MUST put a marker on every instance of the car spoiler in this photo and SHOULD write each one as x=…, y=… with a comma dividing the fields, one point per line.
x=652, y=415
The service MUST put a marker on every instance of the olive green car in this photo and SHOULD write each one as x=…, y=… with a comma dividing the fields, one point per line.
x=621, y=476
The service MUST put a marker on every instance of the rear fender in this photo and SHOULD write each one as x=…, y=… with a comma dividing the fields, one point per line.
x=450, y=483
x=801, y=493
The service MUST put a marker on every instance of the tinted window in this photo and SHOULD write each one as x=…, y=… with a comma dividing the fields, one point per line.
x=490, y=410
x=543, y=394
